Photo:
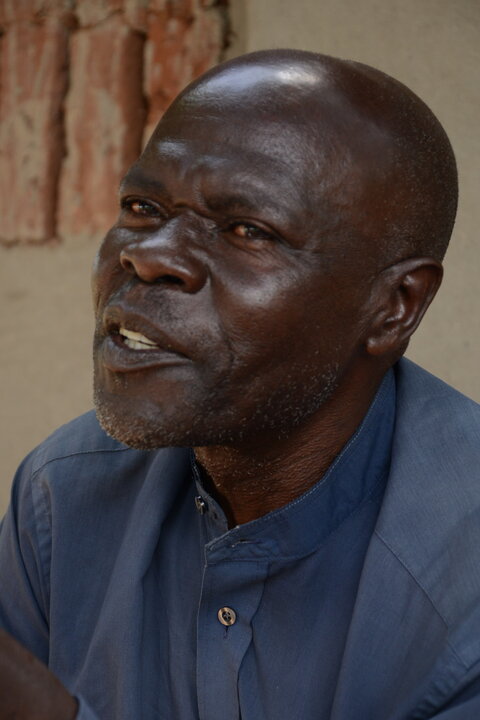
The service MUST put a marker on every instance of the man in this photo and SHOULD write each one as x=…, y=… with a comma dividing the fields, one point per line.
x=315, y=555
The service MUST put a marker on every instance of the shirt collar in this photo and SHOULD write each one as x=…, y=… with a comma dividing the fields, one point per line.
x=300, y=527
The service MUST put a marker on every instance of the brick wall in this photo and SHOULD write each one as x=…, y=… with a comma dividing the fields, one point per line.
x=83, y=83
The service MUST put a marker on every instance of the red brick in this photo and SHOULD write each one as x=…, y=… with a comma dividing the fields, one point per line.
x=184, y=9
x=159, y=5
x=93, y=12
x=104, y=110
x=34, y=77
x=136, y=12
x=178, y=50
x=104, y=121
x=33, y=10
x=207, y=41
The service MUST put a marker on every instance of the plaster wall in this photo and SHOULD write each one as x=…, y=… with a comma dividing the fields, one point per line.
x=433, y=46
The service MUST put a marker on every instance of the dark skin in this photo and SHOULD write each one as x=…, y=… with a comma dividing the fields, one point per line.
x=247, y=301
x=28, y=690
x=273, y=326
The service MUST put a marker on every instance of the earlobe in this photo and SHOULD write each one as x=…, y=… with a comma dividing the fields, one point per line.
x=402, y=294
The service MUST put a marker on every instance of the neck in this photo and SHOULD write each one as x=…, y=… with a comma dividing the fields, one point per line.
x=255, y=477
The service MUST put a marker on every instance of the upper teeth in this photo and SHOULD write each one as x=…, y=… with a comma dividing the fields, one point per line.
x=135, y=340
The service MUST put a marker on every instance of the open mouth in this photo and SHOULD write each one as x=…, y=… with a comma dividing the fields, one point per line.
x=136, y=341
x=124, y=349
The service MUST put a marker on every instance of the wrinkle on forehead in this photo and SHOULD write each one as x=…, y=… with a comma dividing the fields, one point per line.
x=311, y=146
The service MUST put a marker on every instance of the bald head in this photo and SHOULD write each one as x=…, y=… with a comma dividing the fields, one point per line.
x=371, y=145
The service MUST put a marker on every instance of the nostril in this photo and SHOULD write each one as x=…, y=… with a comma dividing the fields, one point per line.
x=169, y=279
x=127, y=264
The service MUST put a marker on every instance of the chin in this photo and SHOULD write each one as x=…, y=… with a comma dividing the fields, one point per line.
x=146, y=426
x=133, y=435
x=200, y=422
x=135, y=430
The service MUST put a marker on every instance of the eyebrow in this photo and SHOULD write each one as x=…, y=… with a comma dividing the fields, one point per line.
x=229, y=202
x=135, y=179
x=256, y=199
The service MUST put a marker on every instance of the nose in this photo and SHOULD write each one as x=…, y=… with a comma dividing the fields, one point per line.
x=165, y=258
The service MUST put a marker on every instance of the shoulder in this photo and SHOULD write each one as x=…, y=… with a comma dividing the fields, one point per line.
x=79, y=467
x=80, y=484
x=420, y=392
x=437, y=430
x=81, y=436
x=75, y=500
x=430, y=518
x=436, y=447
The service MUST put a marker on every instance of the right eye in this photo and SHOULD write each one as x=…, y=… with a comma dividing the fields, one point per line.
x=140, y=207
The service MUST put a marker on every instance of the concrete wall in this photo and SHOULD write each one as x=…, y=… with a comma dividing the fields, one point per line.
x=431, y=45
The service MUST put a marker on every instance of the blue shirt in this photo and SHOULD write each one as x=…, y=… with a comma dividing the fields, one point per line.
x=119, y=571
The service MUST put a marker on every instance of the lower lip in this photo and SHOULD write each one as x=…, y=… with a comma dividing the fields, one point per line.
x=118, y=357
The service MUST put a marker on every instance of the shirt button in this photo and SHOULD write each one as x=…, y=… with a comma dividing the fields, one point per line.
x=201, y=505
x=227, y=616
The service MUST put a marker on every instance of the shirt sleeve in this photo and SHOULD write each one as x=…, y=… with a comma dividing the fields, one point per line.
x=469, y=710
x=466, y=703
x=25, y=542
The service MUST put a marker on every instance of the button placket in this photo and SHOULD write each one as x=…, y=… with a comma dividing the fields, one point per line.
x=224, y=630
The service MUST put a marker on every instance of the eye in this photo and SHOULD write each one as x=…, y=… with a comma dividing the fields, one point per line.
x=249, y=231
x=144, y=208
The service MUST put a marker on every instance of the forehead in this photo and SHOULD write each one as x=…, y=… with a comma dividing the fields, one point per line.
x=273, y=164
x=255, y=143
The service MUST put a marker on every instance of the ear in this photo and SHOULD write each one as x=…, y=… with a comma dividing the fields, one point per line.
x=400, y=297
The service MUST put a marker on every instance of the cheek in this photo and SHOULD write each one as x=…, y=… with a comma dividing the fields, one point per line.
x=96, y=279
x=106, y=270
x=296, y=333
x=275, y=319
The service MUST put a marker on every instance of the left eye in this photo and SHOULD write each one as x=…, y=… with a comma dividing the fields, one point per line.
x=248, y=231
x=140, y=207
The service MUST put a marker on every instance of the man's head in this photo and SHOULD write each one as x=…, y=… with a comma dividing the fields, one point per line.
x=279, y=240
